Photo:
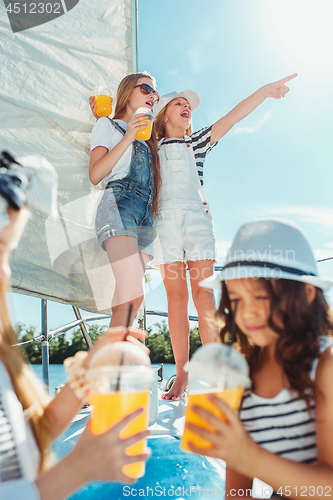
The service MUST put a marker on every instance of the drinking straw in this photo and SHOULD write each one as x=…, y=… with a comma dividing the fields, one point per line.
x=230, y=342
x=129, y=316
x=122, y=354
x=233, y=326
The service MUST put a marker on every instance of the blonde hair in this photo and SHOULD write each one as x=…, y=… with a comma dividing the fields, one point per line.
x=26, y=386
x=124, y=91
x=160, y=124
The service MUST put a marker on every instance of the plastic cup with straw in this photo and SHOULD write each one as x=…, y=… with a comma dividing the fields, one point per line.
x=217, y=369
x=120, y=376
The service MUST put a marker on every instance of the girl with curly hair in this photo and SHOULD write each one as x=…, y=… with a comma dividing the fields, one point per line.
x=271, y=289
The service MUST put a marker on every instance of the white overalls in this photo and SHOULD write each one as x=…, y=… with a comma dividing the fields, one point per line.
x=184, y=226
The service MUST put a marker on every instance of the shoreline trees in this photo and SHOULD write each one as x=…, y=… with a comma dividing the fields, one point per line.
x=61, y=347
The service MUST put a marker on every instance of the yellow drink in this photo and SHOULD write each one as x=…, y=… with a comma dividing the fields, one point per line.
x=144, y=133
x=103, y=105
x=232, y=397
x=110, y=409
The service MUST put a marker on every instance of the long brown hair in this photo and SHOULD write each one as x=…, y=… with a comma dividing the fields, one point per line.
x=26, y=386
x=124, y=91
x=298, y=344
x=160, y=124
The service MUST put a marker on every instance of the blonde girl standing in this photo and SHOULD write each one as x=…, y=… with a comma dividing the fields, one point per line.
x=130, y=171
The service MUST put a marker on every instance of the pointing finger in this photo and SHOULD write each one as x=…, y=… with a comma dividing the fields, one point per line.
x=289, y=78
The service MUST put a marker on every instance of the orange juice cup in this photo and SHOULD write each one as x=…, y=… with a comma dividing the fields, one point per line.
x=144, y=134
x=214, y=369
x=232, y=397
x=103, y=101
x=116, y=391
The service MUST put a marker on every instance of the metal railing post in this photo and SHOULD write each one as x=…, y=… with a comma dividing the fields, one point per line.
x=45, y=346
x=137, y=34
x=83, y=327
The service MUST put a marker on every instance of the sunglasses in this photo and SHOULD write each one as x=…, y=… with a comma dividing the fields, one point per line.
x=147, y=89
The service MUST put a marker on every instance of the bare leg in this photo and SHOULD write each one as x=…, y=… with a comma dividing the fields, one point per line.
x=174, y=278
x=203, y=299
x=128, y=266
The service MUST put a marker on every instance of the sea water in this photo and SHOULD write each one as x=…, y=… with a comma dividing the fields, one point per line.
x=57, y=374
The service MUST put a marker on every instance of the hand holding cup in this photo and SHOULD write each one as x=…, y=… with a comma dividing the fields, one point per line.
x=144, y=133
x=103, y=103
x=120, y=378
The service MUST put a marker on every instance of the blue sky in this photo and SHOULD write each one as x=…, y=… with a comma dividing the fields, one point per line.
x=276, y=162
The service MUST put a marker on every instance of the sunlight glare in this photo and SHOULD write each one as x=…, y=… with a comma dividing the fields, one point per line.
x=305, y=27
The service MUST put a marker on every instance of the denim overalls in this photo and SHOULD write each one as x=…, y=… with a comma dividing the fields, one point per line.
x=126, y=205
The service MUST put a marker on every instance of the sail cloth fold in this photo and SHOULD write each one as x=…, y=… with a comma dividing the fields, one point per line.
x=47, y=74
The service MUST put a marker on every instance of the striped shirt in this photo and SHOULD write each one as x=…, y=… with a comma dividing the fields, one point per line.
x=283, y=425
x=9, y=464
x=200, y=142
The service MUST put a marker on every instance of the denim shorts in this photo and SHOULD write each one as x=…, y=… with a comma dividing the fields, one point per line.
x=122, y=211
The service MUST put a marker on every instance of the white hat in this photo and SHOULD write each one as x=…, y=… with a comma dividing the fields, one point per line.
x=191, y=96
x=270, y=248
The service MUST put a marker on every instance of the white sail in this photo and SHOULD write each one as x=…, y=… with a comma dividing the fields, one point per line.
x=47, y=74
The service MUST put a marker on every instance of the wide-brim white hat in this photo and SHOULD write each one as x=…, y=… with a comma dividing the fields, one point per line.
x=192, y=98
x=270, y=248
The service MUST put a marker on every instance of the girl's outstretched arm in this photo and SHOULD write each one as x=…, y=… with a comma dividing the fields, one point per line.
x=292, y=479
x=223, y=125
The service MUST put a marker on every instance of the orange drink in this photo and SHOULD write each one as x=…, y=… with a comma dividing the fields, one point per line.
x=144, y=133
x=110, y=408
x=120, y=379
x=232, y=397
x=217, y=369
x=103, y=105
x=103, y=98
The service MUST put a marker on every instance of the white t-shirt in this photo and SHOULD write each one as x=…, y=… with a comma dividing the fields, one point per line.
x=106, y=135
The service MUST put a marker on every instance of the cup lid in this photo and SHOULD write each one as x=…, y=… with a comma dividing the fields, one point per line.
x=215, y=356
x=120, y=354
x=101, y=91
x=145, y=111
x=217, y=365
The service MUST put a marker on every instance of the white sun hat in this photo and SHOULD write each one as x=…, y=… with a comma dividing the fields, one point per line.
x=270, y=248
x=192, y=98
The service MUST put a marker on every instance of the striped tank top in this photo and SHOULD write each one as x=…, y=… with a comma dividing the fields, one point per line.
x=283, y=425
x=9, y=464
